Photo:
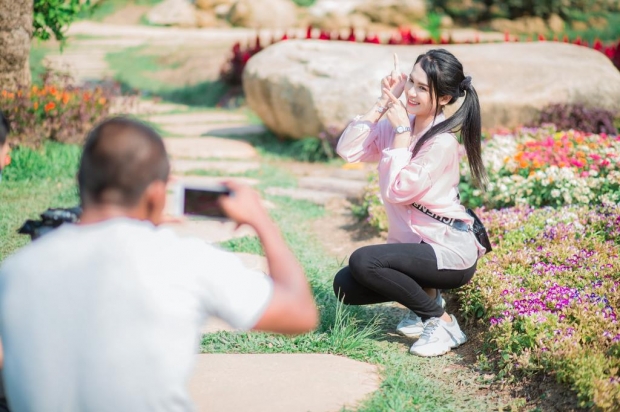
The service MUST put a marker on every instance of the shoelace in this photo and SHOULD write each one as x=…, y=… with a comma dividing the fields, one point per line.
x=429, y=327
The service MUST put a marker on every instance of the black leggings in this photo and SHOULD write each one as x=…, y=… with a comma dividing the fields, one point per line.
x=397, y=272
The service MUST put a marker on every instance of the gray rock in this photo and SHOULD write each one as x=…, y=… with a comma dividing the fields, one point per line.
x=263, y=14
x=301, y=88
x=173, y=13
x=394, y=12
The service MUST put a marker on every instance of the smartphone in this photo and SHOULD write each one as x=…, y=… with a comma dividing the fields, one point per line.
x=201, y=200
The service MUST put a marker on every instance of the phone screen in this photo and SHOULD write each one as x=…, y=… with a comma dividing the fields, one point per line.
x=203, y=202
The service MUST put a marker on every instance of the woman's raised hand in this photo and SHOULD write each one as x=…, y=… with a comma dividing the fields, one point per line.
x=396, y=110
x=394, y=82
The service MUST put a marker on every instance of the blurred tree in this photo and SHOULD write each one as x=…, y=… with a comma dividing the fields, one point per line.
x=15, y=34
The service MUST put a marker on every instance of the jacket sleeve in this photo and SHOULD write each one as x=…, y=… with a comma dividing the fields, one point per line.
x=409, y=179
x=360, y=142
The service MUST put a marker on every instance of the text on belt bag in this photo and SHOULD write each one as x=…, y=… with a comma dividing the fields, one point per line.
x=478, y=228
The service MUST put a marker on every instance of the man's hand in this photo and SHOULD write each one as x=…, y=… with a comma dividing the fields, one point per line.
x=243, y=205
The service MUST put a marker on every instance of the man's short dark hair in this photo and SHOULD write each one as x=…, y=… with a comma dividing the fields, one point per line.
x=121, y=158
x=5, y=128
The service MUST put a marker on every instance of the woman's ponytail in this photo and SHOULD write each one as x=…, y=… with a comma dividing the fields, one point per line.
x=446, y=78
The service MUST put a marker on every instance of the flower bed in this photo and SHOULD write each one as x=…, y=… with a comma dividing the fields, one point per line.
x=54, y=110
x=550, y=293
x=545, y=167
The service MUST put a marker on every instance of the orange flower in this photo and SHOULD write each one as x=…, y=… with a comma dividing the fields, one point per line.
x=4, y=93
x=53, y=90
x=102, y=100
x=36, y=105
x=65, y=97
x=35, y=88
x=50, y=106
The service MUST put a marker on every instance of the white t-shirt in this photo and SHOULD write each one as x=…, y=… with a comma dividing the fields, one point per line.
x=107, y=317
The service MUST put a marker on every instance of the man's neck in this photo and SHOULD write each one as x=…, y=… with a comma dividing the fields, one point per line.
x=100, y=213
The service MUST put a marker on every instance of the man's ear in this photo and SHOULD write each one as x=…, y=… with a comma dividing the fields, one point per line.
x=155, y=201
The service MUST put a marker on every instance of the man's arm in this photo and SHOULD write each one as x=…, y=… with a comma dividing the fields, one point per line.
x=292, y=308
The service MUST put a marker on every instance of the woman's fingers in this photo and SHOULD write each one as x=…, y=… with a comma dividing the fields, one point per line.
x=388, y=93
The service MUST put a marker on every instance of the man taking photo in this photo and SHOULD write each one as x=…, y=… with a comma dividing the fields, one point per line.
x=105, y=315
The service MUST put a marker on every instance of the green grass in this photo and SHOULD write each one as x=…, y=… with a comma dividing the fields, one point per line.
x=246, y=244
x=38, y=51
x=409, y=383
x=34, y=181
x=27, y=200
x=105, y=8
x=611, y=33
x=134, y=71
x=309, y=149
x=51, y=162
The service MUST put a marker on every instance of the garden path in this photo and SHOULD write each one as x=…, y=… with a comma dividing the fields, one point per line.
x=208, y=145
x=329, y=382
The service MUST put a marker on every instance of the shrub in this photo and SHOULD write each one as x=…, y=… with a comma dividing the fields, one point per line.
x=304, y=3
x=579, y=117
x=51, y=17
x=545, y=167
x=51, y=161
x=54, y=110
x=550, y=296
x=477, y=10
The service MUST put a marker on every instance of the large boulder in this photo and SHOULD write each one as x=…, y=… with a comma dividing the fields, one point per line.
x=394, y=12
x=173, y=13
x=263, y=14
x=302, y=88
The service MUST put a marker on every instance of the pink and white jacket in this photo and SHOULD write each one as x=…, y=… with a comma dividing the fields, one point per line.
x=430, y=179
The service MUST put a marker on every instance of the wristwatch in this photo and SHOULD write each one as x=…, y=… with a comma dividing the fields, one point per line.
x=402, y=129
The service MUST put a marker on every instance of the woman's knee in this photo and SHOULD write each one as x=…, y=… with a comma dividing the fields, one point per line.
x=343, y=284
x=360, y=261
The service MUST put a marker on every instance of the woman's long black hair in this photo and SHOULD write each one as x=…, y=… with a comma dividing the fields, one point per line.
x=446, y=78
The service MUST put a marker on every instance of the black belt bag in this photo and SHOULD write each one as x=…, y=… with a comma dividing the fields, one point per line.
x=478, y=228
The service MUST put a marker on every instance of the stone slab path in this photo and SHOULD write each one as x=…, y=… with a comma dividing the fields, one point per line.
x=227, y=382
x=227, y=167
x=220, y=129
x=235, y=382
x=280, y=383
x=209, y=148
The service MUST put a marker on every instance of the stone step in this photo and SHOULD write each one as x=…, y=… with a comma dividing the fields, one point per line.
x=186, y=166
x=280, y=382
x=344, y=187
x=202, y=118
x=217, y=130
x=209, y=148
x=315, y=196
x=351, y=174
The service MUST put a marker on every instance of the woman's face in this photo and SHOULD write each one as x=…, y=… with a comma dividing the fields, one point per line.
x=417, y=92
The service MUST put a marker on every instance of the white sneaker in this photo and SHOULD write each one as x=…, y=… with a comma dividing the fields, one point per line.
x=411, y=325
x=438, y=338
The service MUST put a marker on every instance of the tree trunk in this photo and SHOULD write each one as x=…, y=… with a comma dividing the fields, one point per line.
x=15, y=35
